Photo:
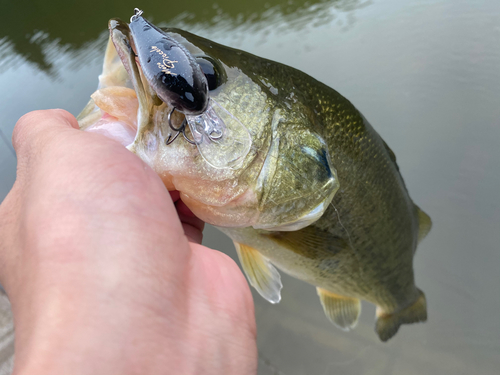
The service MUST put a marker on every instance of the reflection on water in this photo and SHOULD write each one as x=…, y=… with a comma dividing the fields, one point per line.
x=425, y=74
x=42, y=31
x=7, y=143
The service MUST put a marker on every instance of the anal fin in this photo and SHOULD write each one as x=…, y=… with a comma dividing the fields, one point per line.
x=341, y=311
x=387, y=325
x=261, y=274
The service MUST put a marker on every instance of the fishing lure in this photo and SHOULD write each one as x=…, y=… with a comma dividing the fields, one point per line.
x=178, y=79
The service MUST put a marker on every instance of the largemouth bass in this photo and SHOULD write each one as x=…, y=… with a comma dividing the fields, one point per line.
x=295, y=175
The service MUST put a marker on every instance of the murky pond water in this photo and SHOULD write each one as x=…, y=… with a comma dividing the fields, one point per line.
x=426, y=74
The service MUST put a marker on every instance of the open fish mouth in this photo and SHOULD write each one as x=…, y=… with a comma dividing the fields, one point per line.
x=152, y=122
x=229, y=158
x=165, y=78
x=123, y=101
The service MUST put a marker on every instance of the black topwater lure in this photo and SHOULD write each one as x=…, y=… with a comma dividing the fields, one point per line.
x=178, y=80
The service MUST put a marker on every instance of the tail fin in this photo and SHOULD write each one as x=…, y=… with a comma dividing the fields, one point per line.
x=388, y=324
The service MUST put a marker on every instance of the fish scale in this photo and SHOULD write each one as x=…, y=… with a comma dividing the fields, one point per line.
x=381, y=219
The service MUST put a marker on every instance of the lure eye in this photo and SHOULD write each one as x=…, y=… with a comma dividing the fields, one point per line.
x=213, y=72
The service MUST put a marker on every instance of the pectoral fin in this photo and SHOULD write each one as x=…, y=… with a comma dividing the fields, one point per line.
x=261, y=274
x=341, y=311
x=309, y=242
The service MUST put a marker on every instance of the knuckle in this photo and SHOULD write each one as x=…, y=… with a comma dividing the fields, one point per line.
x=34, y=124
x=21, y=128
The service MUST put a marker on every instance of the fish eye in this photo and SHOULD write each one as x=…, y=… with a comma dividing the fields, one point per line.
x=214, y=73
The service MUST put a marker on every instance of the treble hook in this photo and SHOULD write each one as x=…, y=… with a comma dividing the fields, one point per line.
x=171, y=139
x=179, y=130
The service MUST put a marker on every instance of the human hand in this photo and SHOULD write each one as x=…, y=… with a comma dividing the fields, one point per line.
x=104, y=268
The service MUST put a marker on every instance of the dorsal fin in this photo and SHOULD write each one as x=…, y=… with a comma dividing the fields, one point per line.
x=424, y=224
x=392, y=155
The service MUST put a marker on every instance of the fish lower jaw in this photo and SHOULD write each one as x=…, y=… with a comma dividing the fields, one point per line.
x=112, y=113
x=115, y=129
x=241, y=212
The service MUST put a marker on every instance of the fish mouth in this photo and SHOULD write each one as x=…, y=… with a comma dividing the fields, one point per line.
x=124, y=106
x=126, y=109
